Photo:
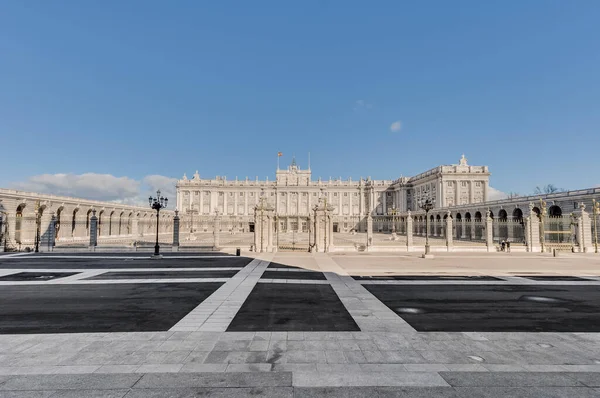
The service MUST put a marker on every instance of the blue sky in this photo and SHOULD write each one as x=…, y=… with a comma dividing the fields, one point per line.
x=152, y=88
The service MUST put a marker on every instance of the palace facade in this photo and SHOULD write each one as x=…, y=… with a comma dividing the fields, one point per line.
x=293, y=194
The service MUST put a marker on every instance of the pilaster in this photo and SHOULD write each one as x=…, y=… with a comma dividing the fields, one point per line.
x=409, y=232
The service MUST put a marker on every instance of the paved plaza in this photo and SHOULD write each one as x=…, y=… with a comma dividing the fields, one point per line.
x=299, y=325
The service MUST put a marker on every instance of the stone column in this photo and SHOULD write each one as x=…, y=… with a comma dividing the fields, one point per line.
x=409, y=232
x=216, y=233
x=318, y=238
x=472, y=238
x=489, y=232
x=330, y=233
x=463, y=233
x=93, y=231
x=449, y=234
x=584, y=233
x=175, y=247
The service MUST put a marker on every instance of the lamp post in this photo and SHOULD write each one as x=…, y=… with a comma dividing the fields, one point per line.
x=595, y=212
x=37, y=226
x=157, y=203
x=394, y=212
x=542, y=229
x=427, y=205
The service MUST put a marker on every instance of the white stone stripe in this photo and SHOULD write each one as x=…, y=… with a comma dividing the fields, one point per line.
x=290, y=270
x=298, y=281
x=15, y=255
x=216, y=312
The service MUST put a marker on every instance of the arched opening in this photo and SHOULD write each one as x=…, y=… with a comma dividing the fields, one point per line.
x=110, y=223
x=458, y=227
x=555, y=211
x=491, y=214
x=74, y=223
x=502, y=215
x=537, y=212
x=57, y=223
x=458, y=217
x=517, y=214
x=468, y=216
x=19, y=223
x=478, y=216
x=87, y=222
x=129, y=223
x=120, y=222
x=100, y=216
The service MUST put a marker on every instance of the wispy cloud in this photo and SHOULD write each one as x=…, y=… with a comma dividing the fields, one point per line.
x=496, y=194
x=104, y=187
x=396, y=126
x=362, y=104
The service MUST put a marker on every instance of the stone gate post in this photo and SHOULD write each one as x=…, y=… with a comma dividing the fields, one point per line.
x=533, y=231
x=489, y=231
x=369, y=231
x=409, y=232
x=216, y=232
x=175, y=246
x=449, y=234
x=584, y=233
x=93, y=230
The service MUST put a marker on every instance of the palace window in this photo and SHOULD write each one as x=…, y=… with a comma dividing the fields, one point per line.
x=230, y=194
x=345, y=193
x=449, y=183
x=335, y=194
x=355, y=194
x=478, y=184
x=220, y=193
x=303, y=193
x=241, y=194
x=464, y=183
x=252, y=194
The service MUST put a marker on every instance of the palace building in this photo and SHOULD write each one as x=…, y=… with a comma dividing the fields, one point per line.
x=293, y=195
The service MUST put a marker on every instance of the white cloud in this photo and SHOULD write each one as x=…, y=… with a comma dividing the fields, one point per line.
x=104, y=187
x=496, y=194
x=165, y=184
x=362, y=104
x=396, y=126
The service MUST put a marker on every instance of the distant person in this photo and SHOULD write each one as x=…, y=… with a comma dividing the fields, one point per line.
x=508, y=246
x=502, y=245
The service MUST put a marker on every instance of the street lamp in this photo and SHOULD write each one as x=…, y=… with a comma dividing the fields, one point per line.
x=157, y=203
x=595, y=212
x=427, y=204
x=37, y=226
x=543, y=212
x=394, y=212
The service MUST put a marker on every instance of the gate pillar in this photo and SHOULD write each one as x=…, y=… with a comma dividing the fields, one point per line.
x=533, y=231
x=449, y=234
x=264, y=214
x=323, y=214
x=584, y=233
x=409, y=232
x=489, y=231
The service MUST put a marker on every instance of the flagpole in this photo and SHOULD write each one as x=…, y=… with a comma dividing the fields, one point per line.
x=278, y=161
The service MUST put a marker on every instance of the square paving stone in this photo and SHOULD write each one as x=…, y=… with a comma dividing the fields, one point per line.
x=88, y=308
x=292, y=307
x=494, y=308
x=35, y=276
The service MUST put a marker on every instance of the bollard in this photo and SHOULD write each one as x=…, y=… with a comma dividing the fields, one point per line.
x=554, y=252
x=238, y=251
